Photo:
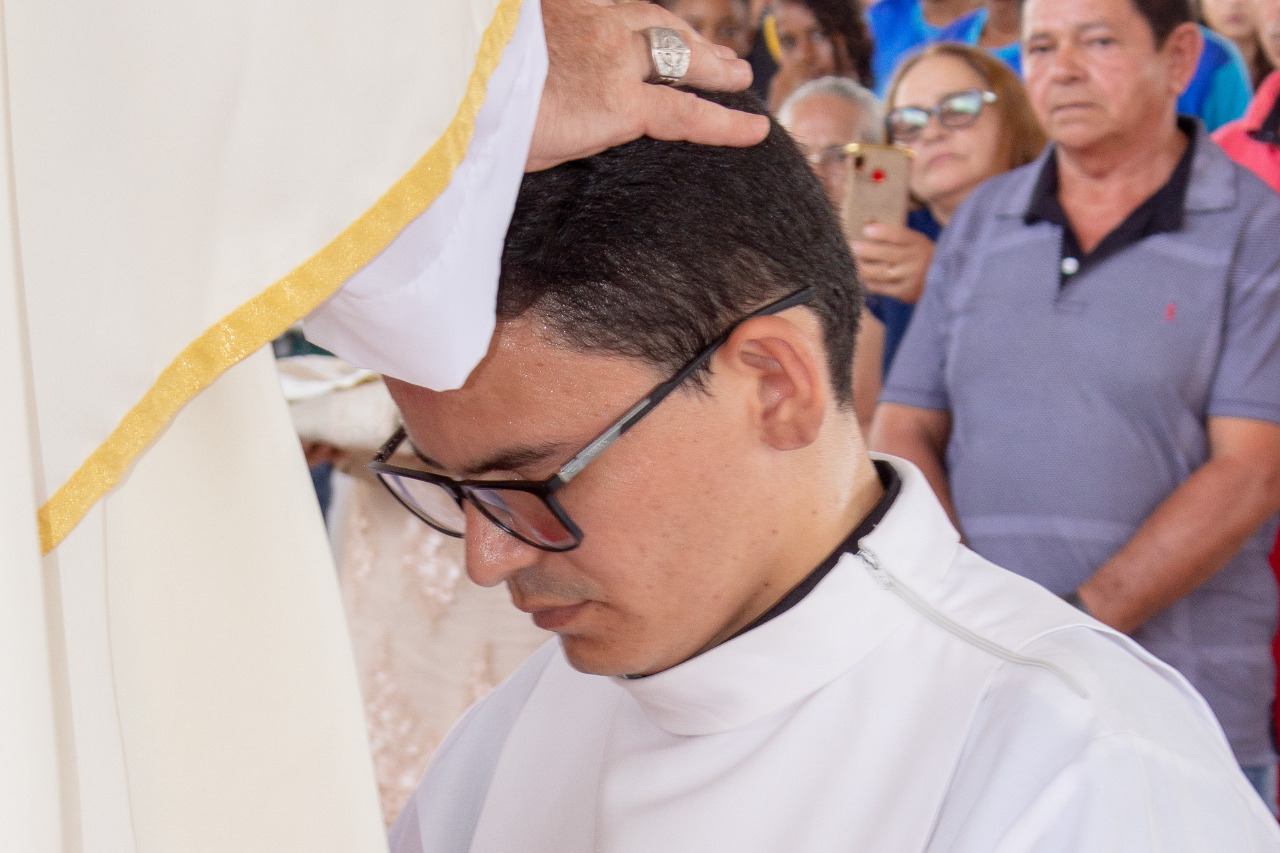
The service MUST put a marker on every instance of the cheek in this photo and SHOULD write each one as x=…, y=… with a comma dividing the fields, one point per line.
x=833, y=184
x=824, y=54
x=990, y=155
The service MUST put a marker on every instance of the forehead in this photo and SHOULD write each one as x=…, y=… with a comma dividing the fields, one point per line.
x=933, y=77
x=795, y=16
x=826, y=116
x=1060, y=17
x=528, y=391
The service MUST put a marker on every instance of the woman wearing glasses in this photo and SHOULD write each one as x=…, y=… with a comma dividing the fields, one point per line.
x=966, y=116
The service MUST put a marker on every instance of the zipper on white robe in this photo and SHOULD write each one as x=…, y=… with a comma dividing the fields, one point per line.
x=918, y=604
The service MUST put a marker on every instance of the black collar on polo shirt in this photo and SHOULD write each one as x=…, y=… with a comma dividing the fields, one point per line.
x=1162, y=212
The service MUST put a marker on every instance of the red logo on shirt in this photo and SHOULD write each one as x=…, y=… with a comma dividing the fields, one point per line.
x=1170, y=311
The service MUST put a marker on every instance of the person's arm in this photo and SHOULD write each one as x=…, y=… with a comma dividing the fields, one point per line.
x=913, y=419
x=868, y=368
x=1196, y=530
x=919, y=436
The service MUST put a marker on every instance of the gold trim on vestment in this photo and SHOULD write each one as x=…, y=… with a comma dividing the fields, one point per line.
x=266, y=316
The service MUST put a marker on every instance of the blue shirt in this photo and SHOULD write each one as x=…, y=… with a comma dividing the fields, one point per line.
x=1076, y=410
x=1220, y=90
x=898, y=28
x=967, y=29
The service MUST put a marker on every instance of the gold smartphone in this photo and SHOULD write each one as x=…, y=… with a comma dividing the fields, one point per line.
x=876, y=186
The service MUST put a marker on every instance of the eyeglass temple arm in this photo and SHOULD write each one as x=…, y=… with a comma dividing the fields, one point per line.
x=389, y=446
x=658, y=394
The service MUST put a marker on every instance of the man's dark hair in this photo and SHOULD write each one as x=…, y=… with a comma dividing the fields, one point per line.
x=652, y=249
x=1164, y=16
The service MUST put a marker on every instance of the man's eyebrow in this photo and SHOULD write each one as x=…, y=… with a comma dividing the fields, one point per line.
x=509, y=459
x=1077, y=29
x=1092, y=25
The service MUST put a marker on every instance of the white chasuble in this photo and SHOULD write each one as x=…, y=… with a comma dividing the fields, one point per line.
x=918, y=699
x=183, y=182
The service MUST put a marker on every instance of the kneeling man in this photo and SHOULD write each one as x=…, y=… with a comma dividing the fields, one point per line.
x=768, y=641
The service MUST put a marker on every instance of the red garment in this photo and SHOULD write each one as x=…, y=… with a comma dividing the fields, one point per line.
x=1260, y=158
x=1275, y=565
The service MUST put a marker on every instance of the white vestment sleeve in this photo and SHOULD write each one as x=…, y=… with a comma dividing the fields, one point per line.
x=442, y=814
x=1046, y=772
x=423, y=310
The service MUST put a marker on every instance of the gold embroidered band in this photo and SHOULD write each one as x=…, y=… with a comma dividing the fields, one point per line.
x=267, y=315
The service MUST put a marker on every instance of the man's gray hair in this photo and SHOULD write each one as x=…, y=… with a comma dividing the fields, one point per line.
x=870, y=112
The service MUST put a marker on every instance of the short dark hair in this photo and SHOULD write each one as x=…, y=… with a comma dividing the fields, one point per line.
x=650, y=250
x=1164, y=16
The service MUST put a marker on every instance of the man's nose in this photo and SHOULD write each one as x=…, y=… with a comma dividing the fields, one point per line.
x=806, y=50
x=1067, y=62
x=493, y=554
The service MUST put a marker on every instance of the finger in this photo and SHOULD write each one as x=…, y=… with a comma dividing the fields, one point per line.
x=876, y=273
x=869, y=252
x=883, y=288
x=886, y=232
x=711, y=69
x=674, y=115
x=710, y=66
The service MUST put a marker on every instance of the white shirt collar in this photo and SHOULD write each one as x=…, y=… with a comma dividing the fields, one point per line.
x=781, y=662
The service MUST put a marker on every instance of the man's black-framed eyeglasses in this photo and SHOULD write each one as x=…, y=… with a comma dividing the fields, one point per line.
x=526, y=509
x=954, y=111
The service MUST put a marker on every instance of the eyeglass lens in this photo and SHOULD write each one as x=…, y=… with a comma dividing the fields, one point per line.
x=955, y=111
x=829, y=159
x=434, y=504
x=523, y=514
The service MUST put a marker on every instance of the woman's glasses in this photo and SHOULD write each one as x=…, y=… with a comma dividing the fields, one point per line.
x=955, y=111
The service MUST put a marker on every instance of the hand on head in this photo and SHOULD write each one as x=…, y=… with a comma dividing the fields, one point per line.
x=596, y=96
x=893, y=260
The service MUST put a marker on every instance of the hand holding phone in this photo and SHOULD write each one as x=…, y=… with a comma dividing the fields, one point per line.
x=876, y=187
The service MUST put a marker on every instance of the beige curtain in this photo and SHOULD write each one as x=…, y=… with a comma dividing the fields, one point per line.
x=181, y=182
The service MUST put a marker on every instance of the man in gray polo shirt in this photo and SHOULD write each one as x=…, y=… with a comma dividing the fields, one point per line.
x=1092, y=378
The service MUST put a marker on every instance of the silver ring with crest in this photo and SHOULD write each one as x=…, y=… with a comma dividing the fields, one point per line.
x=669, y=55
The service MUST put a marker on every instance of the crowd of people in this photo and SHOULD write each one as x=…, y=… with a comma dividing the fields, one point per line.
x=1075, y=332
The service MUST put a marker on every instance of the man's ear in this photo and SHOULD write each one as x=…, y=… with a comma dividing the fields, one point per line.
x=1181, y=51
x=783, y=372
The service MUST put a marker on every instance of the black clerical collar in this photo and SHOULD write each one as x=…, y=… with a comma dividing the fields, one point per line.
x=1162, y=212
x=892, y=486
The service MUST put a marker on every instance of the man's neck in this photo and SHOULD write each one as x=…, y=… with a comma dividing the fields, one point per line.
x=1100, y=186
x=1004, y=23
x=942, y=209
x=939, y=13
x=820, y=521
